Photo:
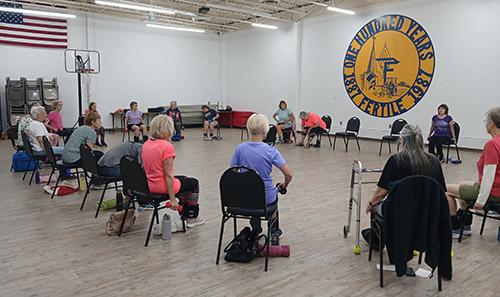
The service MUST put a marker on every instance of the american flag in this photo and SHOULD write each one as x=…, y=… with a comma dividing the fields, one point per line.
x=25, y=30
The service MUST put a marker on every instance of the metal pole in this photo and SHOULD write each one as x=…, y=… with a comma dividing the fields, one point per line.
x=80, y=113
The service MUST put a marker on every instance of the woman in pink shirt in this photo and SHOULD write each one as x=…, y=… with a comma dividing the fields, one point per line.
x=54, y=121
x=100, y=132
x=312, y=125
x=158, y=156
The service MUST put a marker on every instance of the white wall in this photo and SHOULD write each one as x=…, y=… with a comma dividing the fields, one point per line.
x=137, y=63
x=260, y=65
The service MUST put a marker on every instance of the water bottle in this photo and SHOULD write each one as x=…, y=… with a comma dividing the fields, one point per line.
x=37, y=177
x=498, y=235
x=119, y=200
x=166, y=227
x=83, y=185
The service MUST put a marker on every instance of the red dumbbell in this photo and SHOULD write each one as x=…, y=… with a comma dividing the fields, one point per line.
x=169, y=205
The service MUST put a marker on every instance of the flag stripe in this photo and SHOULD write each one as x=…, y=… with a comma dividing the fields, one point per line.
x=33, y=31
x=54, y=46
x=44, y=25
x=30, y=17
x=32, y=37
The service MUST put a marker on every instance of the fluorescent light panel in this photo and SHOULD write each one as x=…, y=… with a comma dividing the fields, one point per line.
x=175, y=28
x=38, y=12
x=344, y=11
x=264, y=26
x=135, y=6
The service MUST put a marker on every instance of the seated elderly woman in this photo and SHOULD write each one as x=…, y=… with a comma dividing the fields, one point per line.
x=312, y=125
x=411, y=160
x=261, y=157
x=37, y=130
x=158, y=156
x=83, y=135
x=487, y=187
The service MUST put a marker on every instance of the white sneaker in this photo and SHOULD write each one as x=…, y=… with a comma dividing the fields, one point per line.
x=191, y=223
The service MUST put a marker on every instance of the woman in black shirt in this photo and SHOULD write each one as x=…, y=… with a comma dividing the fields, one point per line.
x=411, y=160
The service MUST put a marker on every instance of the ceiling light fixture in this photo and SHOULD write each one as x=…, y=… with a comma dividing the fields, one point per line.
x=239, y=10
x=136, y=6
x=38, y=12
x=264, y=26
x=344, y=11
x=175, y=28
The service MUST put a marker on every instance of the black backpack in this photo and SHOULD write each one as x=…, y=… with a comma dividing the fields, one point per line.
x=242, y=248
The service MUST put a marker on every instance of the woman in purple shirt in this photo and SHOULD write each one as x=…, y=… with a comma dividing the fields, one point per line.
x=134, y=121
x=442, y=131
x=262, y=157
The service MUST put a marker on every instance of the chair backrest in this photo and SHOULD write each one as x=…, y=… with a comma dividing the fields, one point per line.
x=242, y=187
x=47, y=147
x=134, y=177
x=353, y=125
x=87, y=159
x=397, y=126
x=26, y=144
x=12, y=137
x=328, y=121
x=271, y=135
x=456, y=127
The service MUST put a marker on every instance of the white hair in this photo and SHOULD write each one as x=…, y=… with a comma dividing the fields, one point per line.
x=258, y=124
x=36, y=111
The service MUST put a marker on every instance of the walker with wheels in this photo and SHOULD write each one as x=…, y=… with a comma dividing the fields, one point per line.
x=357, y=182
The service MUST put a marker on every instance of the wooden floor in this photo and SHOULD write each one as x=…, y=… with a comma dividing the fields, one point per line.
x=51, y=248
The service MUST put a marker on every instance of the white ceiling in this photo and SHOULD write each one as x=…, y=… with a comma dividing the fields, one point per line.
x=223, y=17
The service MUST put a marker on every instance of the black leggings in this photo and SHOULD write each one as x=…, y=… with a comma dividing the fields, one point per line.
x=436, y=145
x=100, y=132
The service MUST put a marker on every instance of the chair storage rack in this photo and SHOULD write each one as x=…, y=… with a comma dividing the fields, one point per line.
x=355, y=198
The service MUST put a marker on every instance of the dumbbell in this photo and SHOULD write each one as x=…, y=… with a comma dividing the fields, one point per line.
x=281, y=189
x=169, y=205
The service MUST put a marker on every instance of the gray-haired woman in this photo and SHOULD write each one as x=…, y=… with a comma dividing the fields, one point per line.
x=411, y=160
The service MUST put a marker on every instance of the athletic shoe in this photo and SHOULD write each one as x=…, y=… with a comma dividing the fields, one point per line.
x=215, y=138
x=279, y=141
x=191, y=223
x=136, y=138
x=456, y=233
x=104, y=144
x=205, y=137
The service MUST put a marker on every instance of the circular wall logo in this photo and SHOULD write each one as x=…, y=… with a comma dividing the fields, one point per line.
x=389, y=65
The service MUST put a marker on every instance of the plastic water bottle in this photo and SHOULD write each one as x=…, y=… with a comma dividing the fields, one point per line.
x=37, y=177
x=119, y=200
x=166, y=227
x=83, y=185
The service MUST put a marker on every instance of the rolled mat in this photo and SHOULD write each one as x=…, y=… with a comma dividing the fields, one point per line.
x=108, y=204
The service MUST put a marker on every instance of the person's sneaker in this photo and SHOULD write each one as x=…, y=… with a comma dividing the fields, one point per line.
x=136, y=138
x=145, y=207
x=97, y=144
x=279, y=141
x=145, y=138
x=104, y=144
x=205, y=137
x=215, y=138
x=191, y=223
x=467, y=230
x=456, y=233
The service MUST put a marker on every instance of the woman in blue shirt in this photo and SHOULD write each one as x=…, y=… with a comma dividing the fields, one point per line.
x=441, y=132
x=284, y=119
x=262, y=157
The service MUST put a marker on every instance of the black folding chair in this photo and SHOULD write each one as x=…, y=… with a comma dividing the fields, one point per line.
x=328, y=121
x=11, y=133
x=351, y=131
x=485, y=215
x=58, y=165
x=243, y=196
x=377, y=227
x=89, y=164
x=396, y=128
x=271, y=135
x=456, y=127
x=135, y=186
x=35, y=158
x=124, y=127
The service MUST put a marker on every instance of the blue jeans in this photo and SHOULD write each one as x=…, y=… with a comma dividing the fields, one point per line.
x=109, y=171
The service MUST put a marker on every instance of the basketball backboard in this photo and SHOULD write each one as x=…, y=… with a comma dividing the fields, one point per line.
x=82, y=61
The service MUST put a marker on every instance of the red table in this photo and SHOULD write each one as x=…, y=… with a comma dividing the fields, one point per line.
x=236, y=119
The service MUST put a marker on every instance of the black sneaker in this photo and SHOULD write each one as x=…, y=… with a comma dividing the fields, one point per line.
x=136, y=138
x=104, y=144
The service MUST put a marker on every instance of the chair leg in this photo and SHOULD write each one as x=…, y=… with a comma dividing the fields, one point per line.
x=155, y=213
x=123, y=135
x=329, y=139
x=334, y=140
x=458, y=153
x=462, y=229
x=235, y=227
x=398, y=147
x=359, y=148
x=447, y=153
x=124, y=217
x=420, y=257
x=381, y=251
x=380, y=150
x=388, y=144
x=223, y=221
x=87, y=190
x=77, y=177
x=27, y=167
x=346, y=143
x=268, y=243
x=241, y=136
x=55, y=187
x=370, y=242
x=100, y=201
x=440, y=285
x=50, y=177
x=484, y=222
x=33, y=172
x=183, y=220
